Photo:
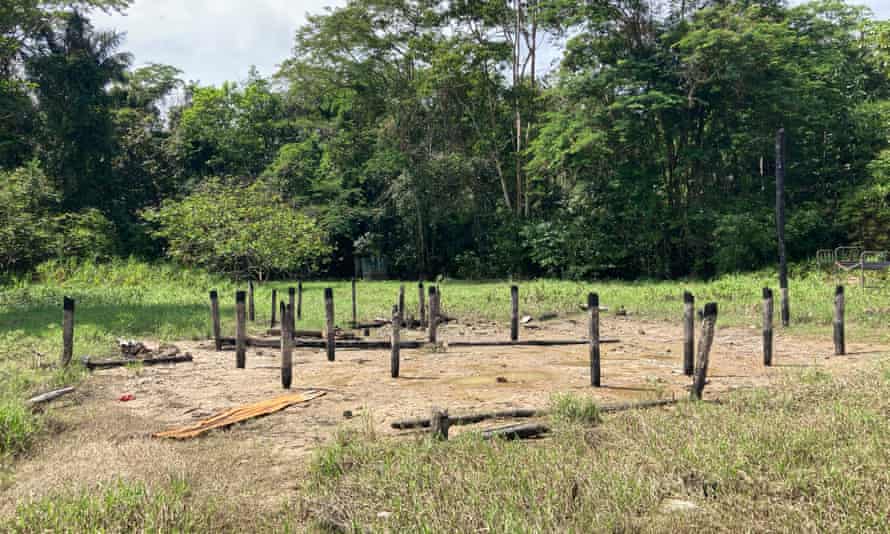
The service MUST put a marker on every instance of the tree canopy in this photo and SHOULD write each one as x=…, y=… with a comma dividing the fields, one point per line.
x=436, y=134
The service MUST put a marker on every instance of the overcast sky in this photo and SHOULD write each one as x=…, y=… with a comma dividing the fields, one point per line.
x=217, y=40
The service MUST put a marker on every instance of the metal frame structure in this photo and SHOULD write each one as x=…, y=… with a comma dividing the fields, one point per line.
x=846, y=259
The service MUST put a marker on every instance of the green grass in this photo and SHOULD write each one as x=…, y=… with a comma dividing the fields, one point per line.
x=810, y=457
x=119, y=507
x=801, y=451
x=128, y=298
x=572, y=408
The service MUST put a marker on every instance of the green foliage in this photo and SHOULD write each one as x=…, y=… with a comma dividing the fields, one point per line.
x=30, y=230
x=570, y=408
x=867, y=209
x=239, y=230
x=26, y=197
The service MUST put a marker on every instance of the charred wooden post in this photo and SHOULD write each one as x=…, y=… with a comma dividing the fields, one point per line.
x=593, y=307
x=300, y=300
x=329, y=322
x=839, y=344
x=402, y=303
x=709, y=321
x=251, y=313
x=688, y=333
x=439, y=423
x=395, y=343
x=780, y=225
x=354, y=305
x=67, y=330
x=274, y=307
x=240, y=331
x=287, y=345
x=214, y=319
x=421, y=303
x=768, y=312
x=514, y=313
x=434, y=313
x=292, y=302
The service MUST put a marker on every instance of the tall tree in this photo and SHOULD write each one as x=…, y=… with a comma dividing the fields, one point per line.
x=71, y=68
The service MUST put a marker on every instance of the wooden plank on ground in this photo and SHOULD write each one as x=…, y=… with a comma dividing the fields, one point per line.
x=237, y=415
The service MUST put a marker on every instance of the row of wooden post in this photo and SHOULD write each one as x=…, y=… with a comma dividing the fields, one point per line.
x=768, y=308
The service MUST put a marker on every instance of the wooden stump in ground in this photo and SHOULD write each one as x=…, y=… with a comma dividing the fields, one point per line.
x=514, y=313
x=329, y=322
x=287, y=346
x=439, y=423
x=768, y=312
x=214, y=319
x=394, y=343
x=67, y=331
x=839, y=343
x=688, y=333
x=240, y=331
x=709, y=321
x=593, y=308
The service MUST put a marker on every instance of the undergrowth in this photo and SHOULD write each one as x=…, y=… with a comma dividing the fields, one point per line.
x=808, y=456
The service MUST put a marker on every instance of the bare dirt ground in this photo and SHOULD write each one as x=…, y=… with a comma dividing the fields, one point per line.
x=99, y=438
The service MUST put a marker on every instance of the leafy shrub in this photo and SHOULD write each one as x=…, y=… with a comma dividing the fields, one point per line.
x=866, y=211
x=26, y=196
x=239, y=229
x=86, y=235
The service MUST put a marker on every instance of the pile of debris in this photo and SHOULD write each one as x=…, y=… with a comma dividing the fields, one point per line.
x=133, y=351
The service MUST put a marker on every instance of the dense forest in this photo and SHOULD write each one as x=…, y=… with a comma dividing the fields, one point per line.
x=443, y=137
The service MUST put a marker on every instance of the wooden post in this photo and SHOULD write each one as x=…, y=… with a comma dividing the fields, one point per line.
x=704, y=350
x=593, y=307
x=354, y=306
x=839, y=345
x=67, y=330
x=780, y=224
x=434, y=313
x=768, y=312
x=214, y=319
x=421, y=303
x=274, y=307
x=514, y=313
x=401, y=303
x=251, y=313
x=292, y=302
x=287, y=345
x=439, y=423
x=688, y=333
x=300, y=300
x=329, y=322
x=240, y=331
x=394, y=341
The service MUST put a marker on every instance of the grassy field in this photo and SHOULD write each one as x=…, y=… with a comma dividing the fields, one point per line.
x=812, y=457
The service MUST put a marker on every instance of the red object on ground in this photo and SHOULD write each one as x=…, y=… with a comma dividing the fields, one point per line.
x=127, y=397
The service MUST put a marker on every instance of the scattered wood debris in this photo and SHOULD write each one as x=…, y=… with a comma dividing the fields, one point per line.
x=237, y=415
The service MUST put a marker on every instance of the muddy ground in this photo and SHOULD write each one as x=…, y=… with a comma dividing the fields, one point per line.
x=98, y=438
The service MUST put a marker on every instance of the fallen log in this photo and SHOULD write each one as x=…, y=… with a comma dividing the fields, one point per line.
x=526, y=343
x=523, y=431
x=318, y=334
x=49, y=396
x=107, y=364
x=625, y=406
x=469, y=419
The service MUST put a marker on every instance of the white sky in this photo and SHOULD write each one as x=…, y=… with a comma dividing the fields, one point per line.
x=217, y=40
